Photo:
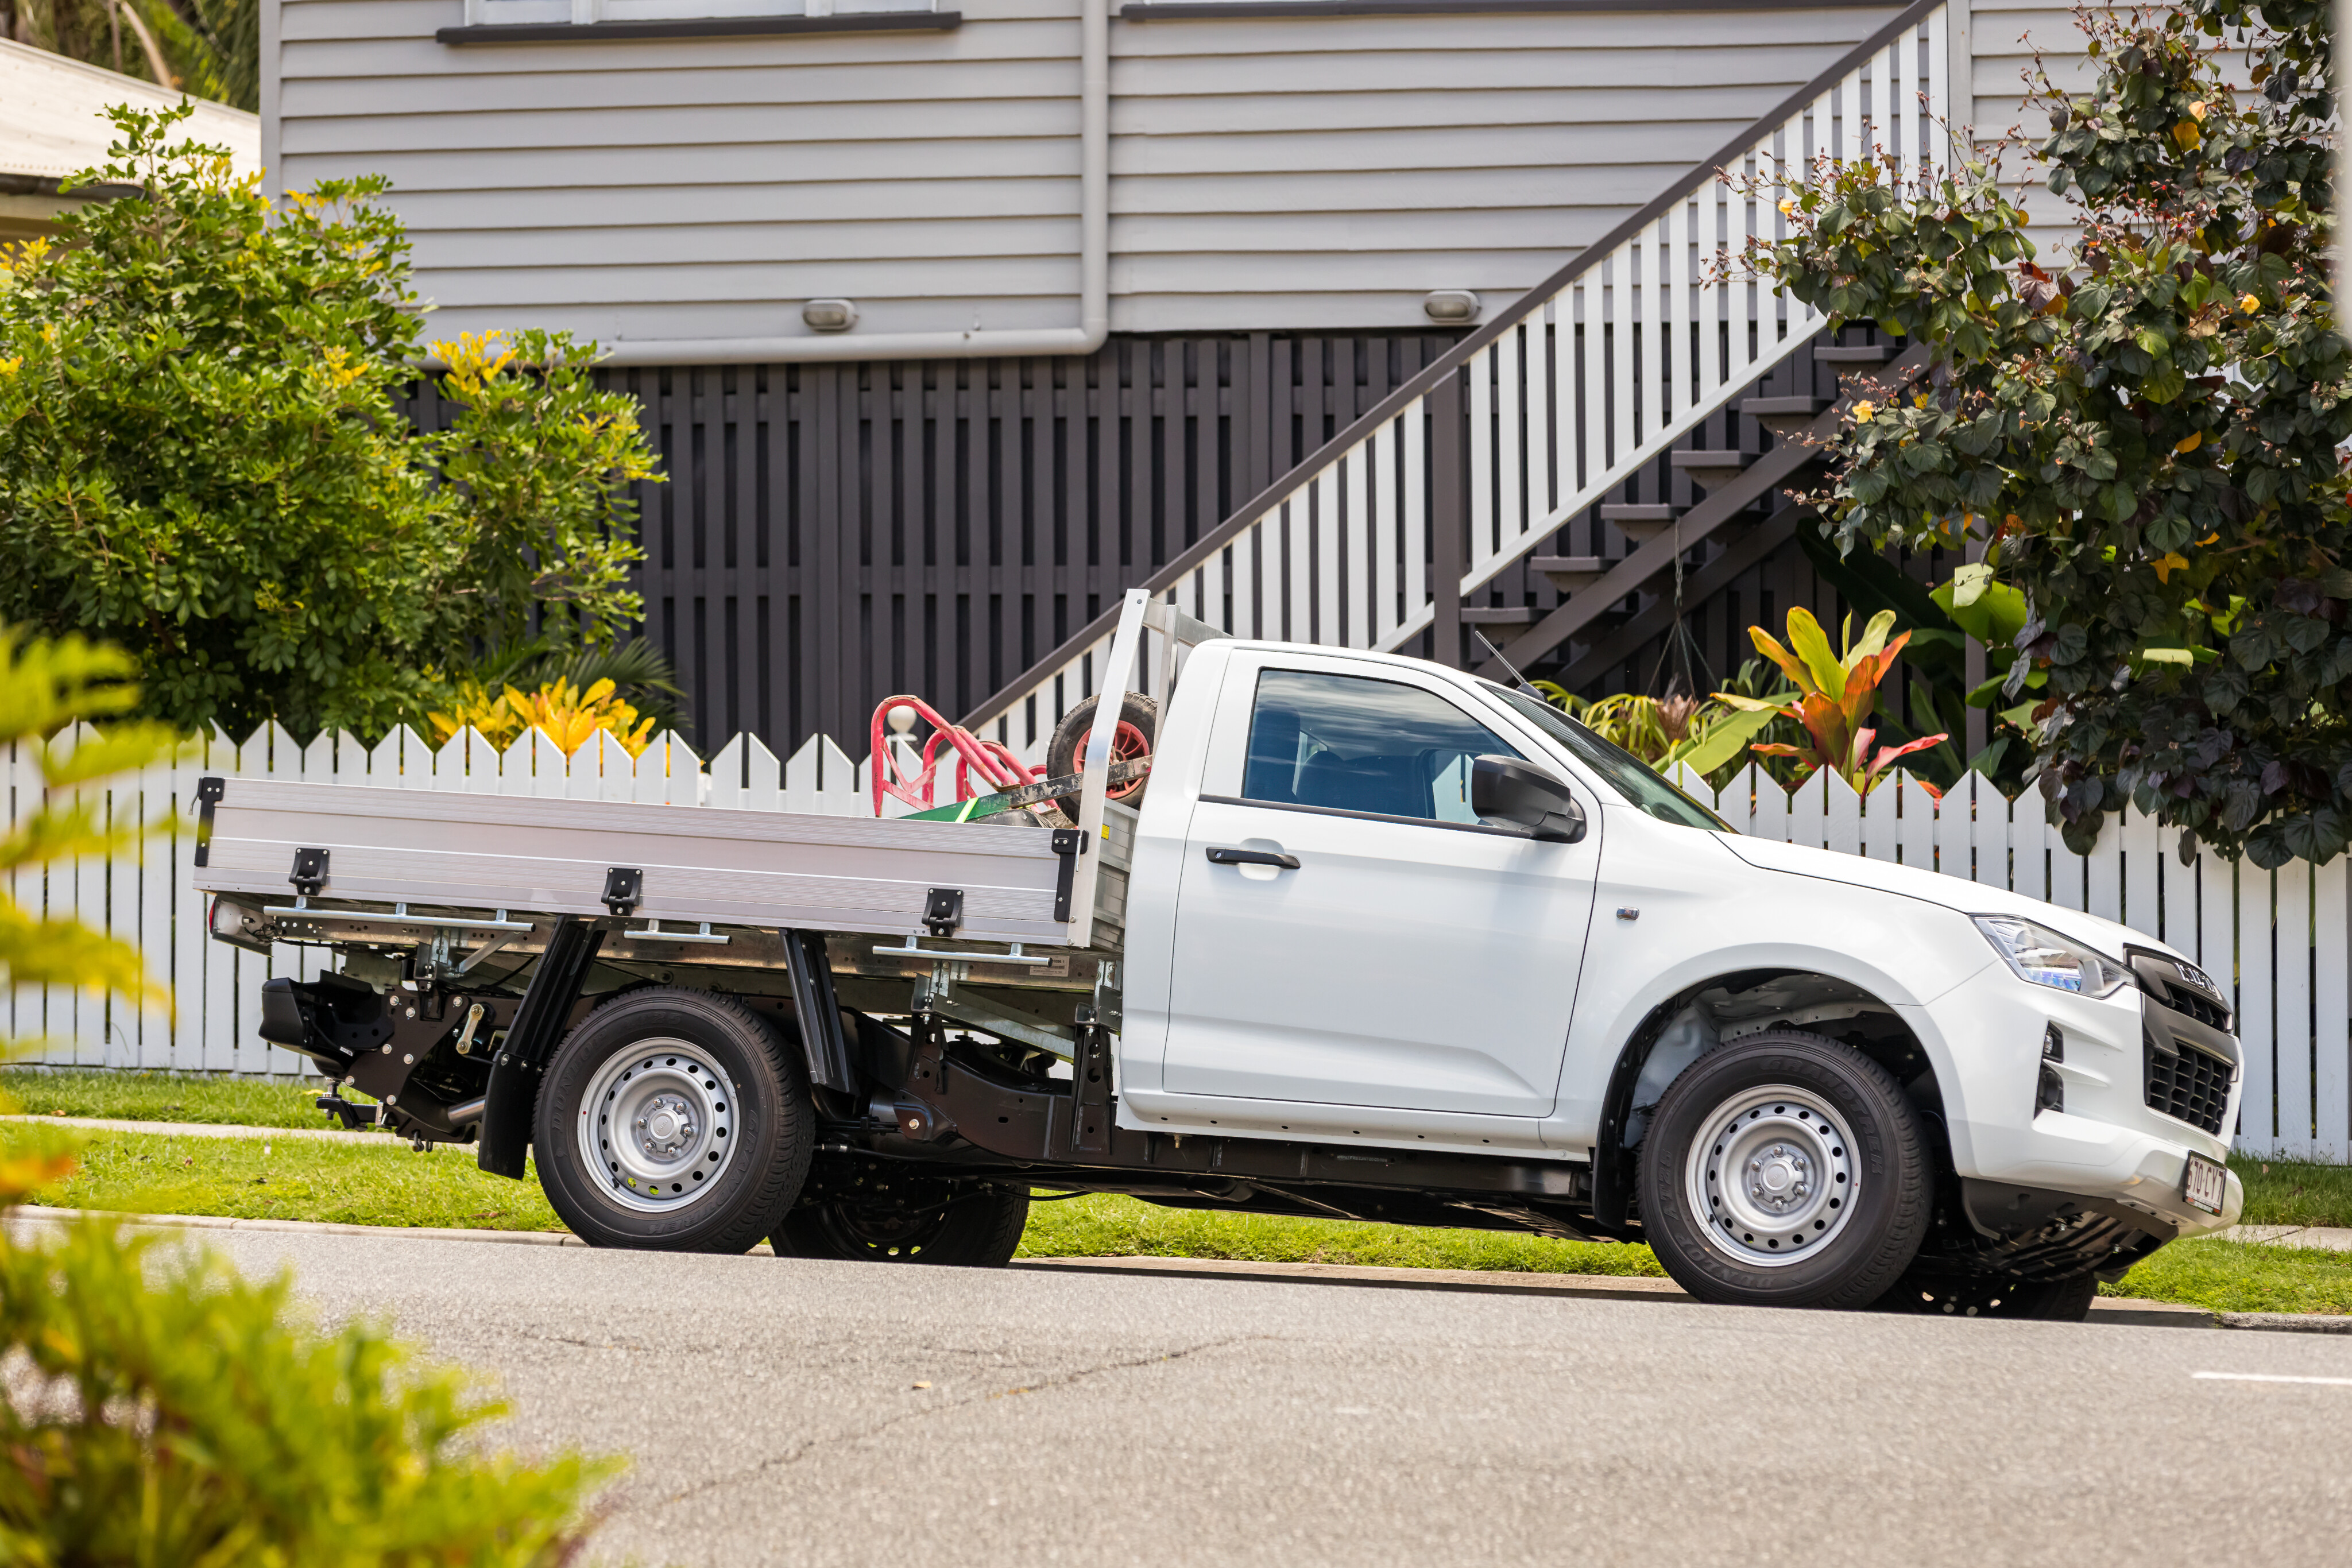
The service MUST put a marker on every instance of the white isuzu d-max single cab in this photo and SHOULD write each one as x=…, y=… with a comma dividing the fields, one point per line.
x=1380, y=941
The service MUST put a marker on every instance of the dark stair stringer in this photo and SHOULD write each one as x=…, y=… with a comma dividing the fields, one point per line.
x=1791, y=456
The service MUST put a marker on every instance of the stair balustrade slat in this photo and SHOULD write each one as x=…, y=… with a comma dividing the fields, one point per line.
x=1330, y=535
x=1240, y=565
x=1939, y=95
x=1381, y=526
x=1356, y=496
x=1542, y=460
x=1480, y=372
x=1904, y=109
x=1510, y=484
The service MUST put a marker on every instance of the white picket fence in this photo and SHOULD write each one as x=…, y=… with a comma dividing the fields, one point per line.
x=2280, y=941
x=146, y=897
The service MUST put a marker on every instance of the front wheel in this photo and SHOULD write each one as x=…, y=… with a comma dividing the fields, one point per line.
x=880, y=1216
x=676, y=1121
x=1787, y=1170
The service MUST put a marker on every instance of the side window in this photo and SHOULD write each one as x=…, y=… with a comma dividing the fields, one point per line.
x=1359, y=745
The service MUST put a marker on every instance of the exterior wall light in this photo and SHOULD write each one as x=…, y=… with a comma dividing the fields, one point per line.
x=830, y=315
x=1451, y=307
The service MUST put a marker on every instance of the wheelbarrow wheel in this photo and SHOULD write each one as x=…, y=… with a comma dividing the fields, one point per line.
x=1139, y=730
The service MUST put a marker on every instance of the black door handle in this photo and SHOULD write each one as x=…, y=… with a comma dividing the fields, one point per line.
x=1220, y=856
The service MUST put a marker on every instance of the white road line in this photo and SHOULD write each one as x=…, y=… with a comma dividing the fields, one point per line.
x=2268, y=1377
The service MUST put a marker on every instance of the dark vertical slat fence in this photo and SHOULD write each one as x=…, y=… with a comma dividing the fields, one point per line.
x=830, y=535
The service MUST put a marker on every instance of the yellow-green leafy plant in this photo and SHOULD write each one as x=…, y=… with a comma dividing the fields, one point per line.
x=164, y=1410
x=562, y=712
x=1836, y=693
x=1704, y=734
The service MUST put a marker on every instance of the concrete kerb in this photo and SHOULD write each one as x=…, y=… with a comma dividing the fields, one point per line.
x=2327, y=1237
x=2119, y=1310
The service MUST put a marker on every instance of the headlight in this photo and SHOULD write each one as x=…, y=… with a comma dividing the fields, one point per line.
x=2045, y=958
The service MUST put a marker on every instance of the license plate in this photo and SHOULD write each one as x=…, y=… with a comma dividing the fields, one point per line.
x=2204, y=1183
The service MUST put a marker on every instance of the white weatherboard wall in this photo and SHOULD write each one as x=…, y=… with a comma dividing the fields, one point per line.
x=2279, y=940
x=1288, y=173
x=1323, y=171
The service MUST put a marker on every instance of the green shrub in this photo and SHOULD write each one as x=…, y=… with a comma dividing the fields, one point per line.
x=202, y=456
x=159, y=1409
x=178, y=1414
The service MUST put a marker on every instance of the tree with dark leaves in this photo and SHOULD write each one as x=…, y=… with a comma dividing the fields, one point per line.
x=2147, y=438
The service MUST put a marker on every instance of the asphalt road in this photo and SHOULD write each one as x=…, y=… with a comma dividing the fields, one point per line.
x=773, y=1411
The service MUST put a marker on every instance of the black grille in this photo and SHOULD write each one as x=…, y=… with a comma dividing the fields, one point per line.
x=2188, y=1084
x=2204, y=1010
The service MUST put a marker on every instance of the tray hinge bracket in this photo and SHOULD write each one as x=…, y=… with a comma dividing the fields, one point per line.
x=310, y=874
x=624, y=886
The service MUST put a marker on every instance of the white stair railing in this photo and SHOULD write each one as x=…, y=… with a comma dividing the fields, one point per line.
x=1534, y=417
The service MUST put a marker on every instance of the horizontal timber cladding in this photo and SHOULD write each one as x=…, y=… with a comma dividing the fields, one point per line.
x=831, y=535
x=1316, y=172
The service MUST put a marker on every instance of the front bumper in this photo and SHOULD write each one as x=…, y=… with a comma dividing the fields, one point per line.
x=1985, y=1037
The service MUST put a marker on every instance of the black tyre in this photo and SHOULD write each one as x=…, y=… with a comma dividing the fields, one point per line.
x=674, y=1121
x=1138, y=732
x=874, y=1215
x=1930, y=1293
x=1785, y=1170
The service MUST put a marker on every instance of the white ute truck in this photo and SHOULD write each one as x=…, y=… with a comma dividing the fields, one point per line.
x=1380, y=941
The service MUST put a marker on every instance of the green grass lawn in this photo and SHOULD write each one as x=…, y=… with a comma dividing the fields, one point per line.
x=2233, y=1277
x=2288, y=1192
x=168, y=1097
x=372, y=1180
x=1106, y=1227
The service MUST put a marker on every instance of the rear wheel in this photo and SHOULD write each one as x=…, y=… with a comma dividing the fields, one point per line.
x=1926, y=1293
x=1785, y=1170
x=901, y=1217
x=674, y=1121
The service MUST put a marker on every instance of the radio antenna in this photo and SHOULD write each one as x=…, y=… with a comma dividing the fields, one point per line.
x=1525, y=684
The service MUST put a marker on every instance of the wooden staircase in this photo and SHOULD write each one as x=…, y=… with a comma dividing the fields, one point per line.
x=1543, y=415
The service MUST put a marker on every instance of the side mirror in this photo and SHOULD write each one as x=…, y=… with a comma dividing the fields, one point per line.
x=1510, y=790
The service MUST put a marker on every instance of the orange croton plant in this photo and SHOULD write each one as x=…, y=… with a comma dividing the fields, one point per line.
x=1836, y=693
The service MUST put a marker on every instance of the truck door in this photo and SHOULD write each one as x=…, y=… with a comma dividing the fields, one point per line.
x=1348, y=933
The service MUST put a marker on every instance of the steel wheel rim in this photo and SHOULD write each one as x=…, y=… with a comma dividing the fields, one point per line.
x=1126, y=745
x=658, y=1125
x=1771, y=1177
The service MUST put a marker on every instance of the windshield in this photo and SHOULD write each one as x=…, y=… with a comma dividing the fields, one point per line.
x=1630, y=777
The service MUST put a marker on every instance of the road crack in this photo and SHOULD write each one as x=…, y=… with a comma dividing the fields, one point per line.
x=802, y=1450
